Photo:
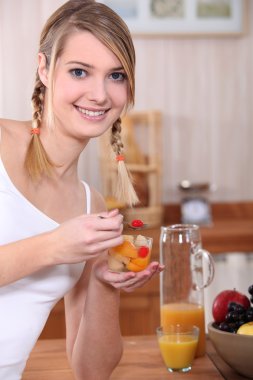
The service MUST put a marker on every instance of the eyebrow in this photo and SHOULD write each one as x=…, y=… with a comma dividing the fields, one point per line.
x=91, y=66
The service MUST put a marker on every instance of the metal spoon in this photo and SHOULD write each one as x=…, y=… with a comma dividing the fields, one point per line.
x=129, y=225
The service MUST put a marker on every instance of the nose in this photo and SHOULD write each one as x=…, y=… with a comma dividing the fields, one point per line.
x=97, y=91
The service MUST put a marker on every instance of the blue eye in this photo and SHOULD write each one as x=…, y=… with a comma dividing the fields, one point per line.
x=118, y=76
x=78, y=73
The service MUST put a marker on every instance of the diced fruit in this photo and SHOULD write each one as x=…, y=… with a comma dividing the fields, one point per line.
x=125, y=249
x=222, y=301
x=140, y=240
x=141, y=262
x=143, y=251
x=129, y=238
x=246, y=329
x=134, y=268
x=122, y=259
x=137, y=223
x=132, y=254
x=115, y=265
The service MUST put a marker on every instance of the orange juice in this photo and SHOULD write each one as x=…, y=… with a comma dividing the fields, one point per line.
x=178, y=351
x=186, y=314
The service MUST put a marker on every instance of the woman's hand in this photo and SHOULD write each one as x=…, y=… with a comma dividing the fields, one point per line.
x=87, y=236
x=127, y=281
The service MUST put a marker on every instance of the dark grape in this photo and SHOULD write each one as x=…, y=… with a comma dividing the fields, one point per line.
x=233, y=326
x=239, y=324
x=250, y=290
x=242, y=316
x=233, y=306
x=249, y=314
x=231, y=316
x=240, y=309
x=223, y=326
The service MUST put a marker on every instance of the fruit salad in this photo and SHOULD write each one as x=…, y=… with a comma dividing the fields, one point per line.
x=132, y=255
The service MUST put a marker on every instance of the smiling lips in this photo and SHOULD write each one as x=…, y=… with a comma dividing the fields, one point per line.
x=91, y=113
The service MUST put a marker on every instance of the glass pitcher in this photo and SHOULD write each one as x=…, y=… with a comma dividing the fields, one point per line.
x=182, y=282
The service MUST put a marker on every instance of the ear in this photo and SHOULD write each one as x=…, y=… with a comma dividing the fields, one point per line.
x=42, y=69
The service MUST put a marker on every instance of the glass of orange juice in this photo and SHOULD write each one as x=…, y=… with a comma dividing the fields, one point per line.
x=178, y=346
x=132, y=255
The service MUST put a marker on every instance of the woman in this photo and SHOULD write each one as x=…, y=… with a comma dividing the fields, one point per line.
x=53, y=241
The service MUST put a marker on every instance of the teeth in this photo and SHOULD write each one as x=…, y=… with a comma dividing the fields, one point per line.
x=90, y=113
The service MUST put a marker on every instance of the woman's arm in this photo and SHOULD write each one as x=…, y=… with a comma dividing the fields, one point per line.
x=77, y=240
x=94, y=344
x=24, y=257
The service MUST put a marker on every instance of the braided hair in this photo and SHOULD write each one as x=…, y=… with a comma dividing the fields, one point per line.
x=124, y=191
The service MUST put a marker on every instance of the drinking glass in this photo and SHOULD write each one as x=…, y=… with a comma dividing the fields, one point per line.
x=132, y=255
x=178, y=346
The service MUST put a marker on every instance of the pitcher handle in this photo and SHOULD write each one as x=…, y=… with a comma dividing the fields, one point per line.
x=210, y=265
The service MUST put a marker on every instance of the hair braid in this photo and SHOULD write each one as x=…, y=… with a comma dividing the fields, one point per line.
x=124, y=191
x=37, y=161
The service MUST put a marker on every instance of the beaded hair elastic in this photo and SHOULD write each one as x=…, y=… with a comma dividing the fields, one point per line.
x=35, y=131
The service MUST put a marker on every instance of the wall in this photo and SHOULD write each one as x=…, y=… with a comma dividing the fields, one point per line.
x=203, y=87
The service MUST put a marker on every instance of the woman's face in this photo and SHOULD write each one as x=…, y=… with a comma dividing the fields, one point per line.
x=90, y=87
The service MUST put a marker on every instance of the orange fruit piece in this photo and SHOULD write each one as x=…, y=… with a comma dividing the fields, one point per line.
x=136, y=265
x=126, y=249
x=134, y=268
x=141, y=262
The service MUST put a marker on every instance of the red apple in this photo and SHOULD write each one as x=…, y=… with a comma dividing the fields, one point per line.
x=223, y=299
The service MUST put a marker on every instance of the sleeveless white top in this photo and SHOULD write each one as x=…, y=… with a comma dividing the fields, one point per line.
x=26, y=304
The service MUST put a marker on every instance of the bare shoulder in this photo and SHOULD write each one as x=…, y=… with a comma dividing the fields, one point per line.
x=97, y=201
x=13, y=127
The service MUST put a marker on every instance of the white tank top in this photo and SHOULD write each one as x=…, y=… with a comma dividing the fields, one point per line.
x=26, y=304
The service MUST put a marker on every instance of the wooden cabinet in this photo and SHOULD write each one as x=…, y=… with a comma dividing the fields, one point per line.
x=232, y=230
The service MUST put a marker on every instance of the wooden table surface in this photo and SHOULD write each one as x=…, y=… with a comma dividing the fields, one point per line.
x=141, y=361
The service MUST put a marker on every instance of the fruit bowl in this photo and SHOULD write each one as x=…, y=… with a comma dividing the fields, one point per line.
x=234, y=349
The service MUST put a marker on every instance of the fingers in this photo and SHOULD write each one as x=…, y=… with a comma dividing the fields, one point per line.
x=104, y=241
x=112, y=220
x=108, y=214
x=143, y=277
x=128, y=281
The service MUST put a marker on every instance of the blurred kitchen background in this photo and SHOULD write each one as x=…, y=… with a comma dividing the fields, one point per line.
x=201, y=85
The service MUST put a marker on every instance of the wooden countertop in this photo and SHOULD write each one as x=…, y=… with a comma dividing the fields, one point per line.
x=141, y=361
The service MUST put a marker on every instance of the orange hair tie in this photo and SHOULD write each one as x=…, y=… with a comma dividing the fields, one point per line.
x=120, y=157
x=35, y=131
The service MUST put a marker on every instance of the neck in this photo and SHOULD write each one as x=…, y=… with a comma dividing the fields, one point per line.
x=63, y=150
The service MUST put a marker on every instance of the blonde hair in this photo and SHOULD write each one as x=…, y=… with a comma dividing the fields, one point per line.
x=110, y=29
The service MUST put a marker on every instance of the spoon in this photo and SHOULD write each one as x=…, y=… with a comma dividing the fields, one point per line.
x=136, y=224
